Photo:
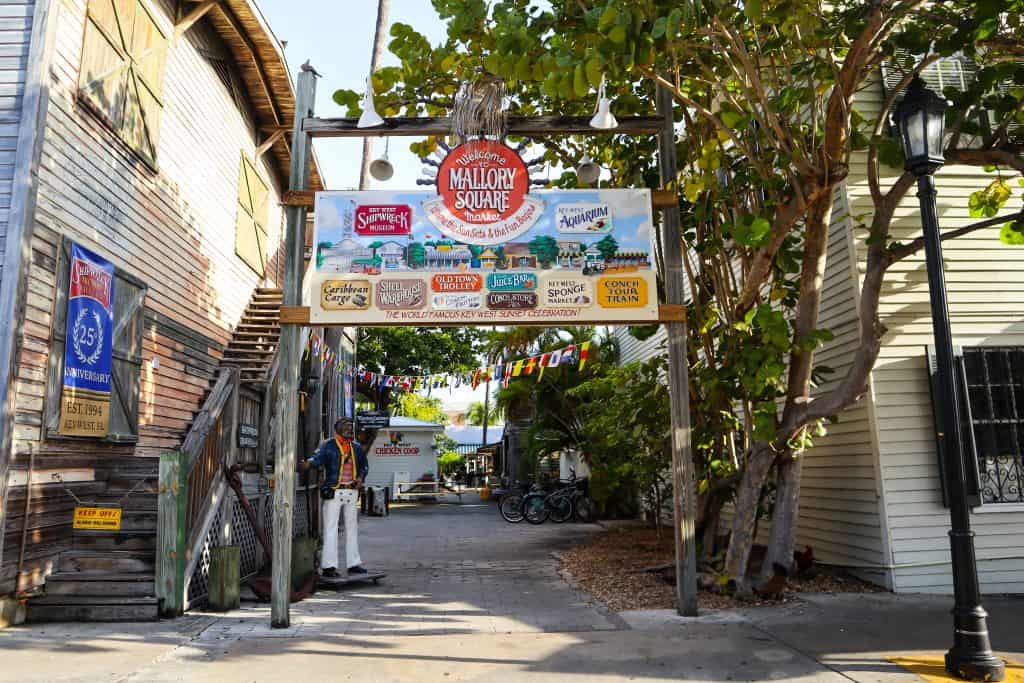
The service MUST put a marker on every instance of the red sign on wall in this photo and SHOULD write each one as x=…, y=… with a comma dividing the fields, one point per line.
x=457, y=282
x=383, y=220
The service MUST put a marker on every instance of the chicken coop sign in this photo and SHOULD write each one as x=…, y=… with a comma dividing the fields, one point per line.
x=482, y=249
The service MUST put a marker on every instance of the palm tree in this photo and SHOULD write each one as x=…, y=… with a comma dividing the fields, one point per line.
x=475, y=415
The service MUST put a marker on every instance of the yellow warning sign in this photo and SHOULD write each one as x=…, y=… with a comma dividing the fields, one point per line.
x=102, y=519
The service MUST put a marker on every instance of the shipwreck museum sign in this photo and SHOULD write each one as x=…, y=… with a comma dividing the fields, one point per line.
x=483, y=249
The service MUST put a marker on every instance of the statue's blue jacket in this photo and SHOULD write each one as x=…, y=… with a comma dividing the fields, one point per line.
x=328, y=456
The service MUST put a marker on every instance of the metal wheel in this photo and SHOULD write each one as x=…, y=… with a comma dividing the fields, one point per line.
x=561, y=508
x=511, y=508
x=585, y=510
x=535, y=508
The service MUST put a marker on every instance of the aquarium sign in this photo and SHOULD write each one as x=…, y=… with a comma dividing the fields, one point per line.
x=583, y=219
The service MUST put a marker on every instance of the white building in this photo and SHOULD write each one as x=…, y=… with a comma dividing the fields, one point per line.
x=403, y=453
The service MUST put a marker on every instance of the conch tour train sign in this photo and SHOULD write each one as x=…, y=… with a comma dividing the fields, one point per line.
x=483, y=249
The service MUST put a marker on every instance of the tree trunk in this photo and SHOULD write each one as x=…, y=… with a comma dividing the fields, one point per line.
x=787, y=507
x=709, y=532
x=379, y=34
x=758, y=463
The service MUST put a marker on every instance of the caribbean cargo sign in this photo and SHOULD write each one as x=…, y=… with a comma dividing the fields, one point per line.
x=483, y=250
x=85, y=401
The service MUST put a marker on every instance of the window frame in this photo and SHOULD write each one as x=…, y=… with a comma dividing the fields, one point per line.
x=972, y=449
x=54, y=385
x=85, y=100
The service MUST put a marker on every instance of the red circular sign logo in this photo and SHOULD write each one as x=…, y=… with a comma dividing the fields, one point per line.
x=482, y=181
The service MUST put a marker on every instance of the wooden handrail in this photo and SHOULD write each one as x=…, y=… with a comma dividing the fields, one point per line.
x=207, y=417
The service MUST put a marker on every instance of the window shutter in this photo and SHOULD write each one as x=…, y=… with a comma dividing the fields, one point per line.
x=963, y=410
x=129, y=297
x=121, y=71
x=251, y=224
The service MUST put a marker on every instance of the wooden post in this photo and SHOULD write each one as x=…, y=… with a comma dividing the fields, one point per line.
x=171, y=533
x=287, y=415
x=684, y=504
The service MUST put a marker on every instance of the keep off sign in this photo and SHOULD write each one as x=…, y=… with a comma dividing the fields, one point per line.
x=97, y=519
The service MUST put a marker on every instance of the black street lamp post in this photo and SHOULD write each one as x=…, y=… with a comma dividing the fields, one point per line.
x=920, y=119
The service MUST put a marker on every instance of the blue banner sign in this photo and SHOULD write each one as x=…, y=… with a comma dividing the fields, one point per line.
x=85, y=402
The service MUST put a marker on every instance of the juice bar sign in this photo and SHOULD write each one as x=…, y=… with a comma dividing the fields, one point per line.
x=482, y=187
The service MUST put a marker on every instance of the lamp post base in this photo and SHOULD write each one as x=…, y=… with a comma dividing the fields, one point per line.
x=971, y=665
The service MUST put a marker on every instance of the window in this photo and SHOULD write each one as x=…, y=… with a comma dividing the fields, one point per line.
x=121, y=74
x=251, y=224
x=129, y=299
x=992, y=380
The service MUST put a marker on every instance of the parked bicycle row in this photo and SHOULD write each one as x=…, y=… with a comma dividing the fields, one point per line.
x=570, y=500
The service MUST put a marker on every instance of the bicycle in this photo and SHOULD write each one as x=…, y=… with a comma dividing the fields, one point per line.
x=511, y=505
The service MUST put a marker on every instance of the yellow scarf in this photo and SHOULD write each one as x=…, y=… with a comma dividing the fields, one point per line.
x=347, y=452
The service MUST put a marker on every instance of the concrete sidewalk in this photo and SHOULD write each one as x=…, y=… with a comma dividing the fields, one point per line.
x=471, y=598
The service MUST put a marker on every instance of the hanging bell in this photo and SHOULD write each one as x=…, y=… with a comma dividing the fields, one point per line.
x=369, y=118
x=603, y=119
x=381, y=169
x=588, y=172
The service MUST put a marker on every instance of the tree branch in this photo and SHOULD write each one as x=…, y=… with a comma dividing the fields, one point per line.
x=917, y=244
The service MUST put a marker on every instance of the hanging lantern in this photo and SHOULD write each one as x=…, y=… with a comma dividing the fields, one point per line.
x=369, y=118
x=603, y=119
x=381, y=169
x=588, y=172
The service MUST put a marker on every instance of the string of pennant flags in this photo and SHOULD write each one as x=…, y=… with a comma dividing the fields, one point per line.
x=505, y=371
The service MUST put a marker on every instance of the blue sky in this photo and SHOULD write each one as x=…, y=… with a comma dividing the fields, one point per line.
x=337, y=37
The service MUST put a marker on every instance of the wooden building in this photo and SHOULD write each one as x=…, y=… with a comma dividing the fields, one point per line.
x=872, y=496
x=153, y=133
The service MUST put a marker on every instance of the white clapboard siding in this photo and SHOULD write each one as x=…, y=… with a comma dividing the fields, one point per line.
x=985, y=282
x=15, y=37
x=632, y=349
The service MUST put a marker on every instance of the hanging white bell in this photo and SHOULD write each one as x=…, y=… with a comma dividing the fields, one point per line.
x=603, y=119
x=369, y=117
x=588, y=172
x=381, y=169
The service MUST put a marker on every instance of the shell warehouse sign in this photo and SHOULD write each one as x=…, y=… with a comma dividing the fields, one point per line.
x=483, y=249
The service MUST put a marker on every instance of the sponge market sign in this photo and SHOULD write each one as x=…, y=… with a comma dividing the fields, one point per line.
x=483, y=249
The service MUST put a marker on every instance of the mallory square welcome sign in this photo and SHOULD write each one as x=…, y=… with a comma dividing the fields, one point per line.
x=483, y=249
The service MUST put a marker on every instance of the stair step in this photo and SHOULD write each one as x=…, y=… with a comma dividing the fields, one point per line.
x=136, y=539
x=92, y=608
x=265, y=335
x=97, y=584
x=80, y=560
x=248, y=343
x=269, y=290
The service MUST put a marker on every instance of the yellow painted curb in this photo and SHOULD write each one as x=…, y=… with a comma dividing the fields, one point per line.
x=933, y=668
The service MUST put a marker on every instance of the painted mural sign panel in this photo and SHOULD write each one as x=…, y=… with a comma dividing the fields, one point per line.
x=582, y=256
x=88, y=349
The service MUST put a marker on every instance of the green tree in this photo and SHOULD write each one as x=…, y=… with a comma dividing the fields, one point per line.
x=475, y=414
x=419, y=407
x=765, y=95
x=450, y=463
x=545, y=248
x=608, y=247
x=415, y=254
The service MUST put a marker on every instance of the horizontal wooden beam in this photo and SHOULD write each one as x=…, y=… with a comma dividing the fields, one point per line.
x=660, y=199
x=194, y=15
x=533, y=126
x=299, y=315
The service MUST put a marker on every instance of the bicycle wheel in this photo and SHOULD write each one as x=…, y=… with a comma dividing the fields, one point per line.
x=511, y=508
x=585, y=510
x=535, y=509
x=561, y=508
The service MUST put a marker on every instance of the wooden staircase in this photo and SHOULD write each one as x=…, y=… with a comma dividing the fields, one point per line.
x=108, y=575
x=252, y=347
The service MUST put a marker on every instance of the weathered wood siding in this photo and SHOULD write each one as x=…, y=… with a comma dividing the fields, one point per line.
x=985, y=282
x=173, y=228
x=15, y=35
